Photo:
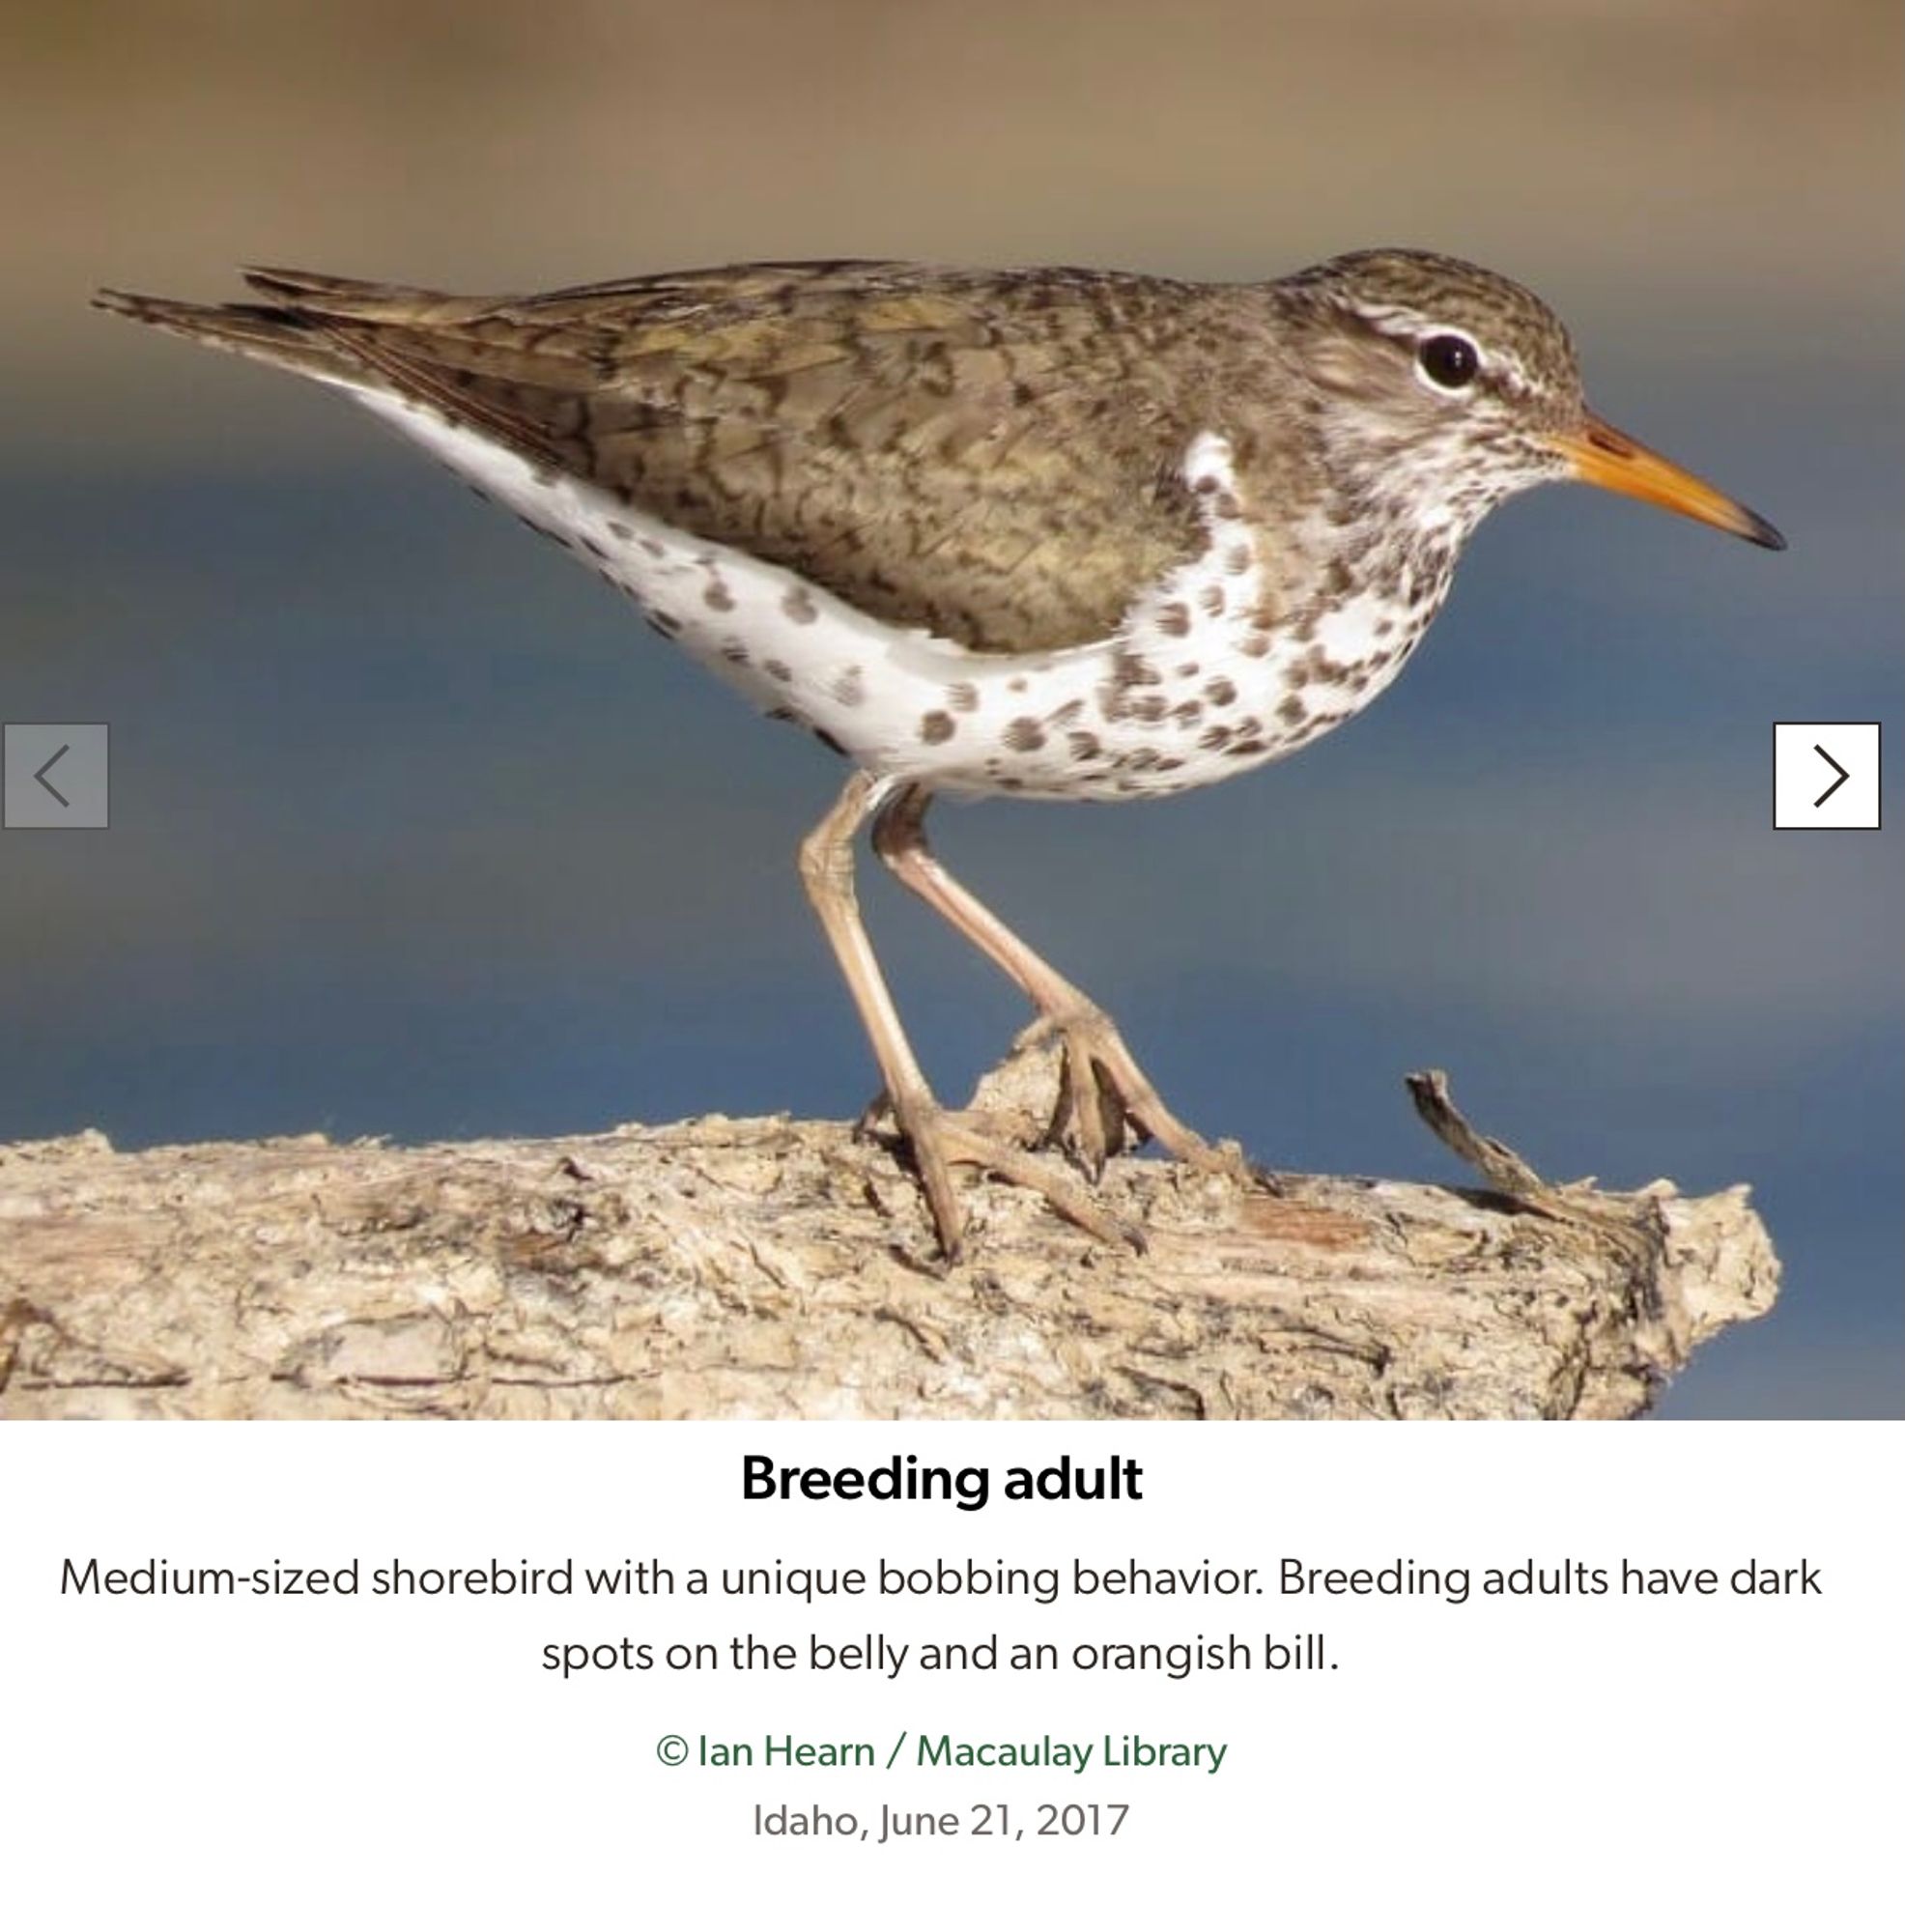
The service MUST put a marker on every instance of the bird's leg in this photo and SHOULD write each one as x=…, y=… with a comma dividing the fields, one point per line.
x=1102, y=1089
x=937, y=1139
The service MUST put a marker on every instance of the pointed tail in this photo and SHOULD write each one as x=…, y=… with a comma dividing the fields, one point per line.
x=279, y=336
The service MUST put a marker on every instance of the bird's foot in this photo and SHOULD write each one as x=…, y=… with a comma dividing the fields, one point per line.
x=939, y=1140
x=1106, y=1102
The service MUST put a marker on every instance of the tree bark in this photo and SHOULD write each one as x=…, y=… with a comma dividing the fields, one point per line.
x=777, y=1267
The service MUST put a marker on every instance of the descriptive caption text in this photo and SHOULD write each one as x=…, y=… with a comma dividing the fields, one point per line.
x=995, y=1586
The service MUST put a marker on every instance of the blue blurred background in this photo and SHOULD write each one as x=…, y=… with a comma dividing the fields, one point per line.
x=417, y=832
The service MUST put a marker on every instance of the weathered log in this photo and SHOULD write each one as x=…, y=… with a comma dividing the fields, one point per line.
x=779, y=1267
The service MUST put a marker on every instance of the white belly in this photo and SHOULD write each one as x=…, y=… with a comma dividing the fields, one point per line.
x=1192, y=687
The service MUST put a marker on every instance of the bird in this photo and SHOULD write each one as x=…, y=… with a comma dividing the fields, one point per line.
x=1047, y=533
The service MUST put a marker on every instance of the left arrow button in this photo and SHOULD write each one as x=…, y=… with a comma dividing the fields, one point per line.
x=40, y=775
x=53, y=776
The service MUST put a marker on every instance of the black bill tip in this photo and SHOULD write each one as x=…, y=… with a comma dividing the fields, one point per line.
x=1757, y=531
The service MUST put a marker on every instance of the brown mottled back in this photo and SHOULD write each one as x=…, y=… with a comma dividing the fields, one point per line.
x=993, y=457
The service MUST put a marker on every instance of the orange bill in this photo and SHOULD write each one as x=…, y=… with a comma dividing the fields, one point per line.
x=1600, y=454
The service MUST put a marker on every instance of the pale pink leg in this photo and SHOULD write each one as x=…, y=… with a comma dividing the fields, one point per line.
x=938, y=1139
x=1103, y=1086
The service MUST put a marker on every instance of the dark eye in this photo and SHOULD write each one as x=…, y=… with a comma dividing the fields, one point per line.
x=1449, y=361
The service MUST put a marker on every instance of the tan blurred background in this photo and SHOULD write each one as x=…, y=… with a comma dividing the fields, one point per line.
x=417, y=832
x=1680, y=155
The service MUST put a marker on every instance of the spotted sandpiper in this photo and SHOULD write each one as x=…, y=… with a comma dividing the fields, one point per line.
x=1047, y=533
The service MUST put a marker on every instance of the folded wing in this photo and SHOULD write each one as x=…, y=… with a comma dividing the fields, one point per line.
x=994, y=458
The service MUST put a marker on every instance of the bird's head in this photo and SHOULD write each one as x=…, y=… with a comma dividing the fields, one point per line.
x=1465, y=389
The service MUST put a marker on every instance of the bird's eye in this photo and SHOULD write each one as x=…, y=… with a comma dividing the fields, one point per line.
x=1449, y=361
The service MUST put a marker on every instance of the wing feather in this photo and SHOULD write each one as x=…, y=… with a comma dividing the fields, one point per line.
x=994, y=457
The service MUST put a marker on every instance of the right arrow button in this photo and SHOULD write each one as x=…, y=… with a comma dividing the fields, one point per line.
x=1805, y=753
x=1843, y=775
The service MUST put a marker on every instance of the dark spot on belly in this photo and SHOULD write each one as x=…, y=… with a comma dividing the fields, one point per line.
x=1214, y=739
x=832, y=743
x=799, y=606
x=1019, y=684
x=1025, y=734
x=1325, y=670
x=734, y=654
x=670, y=627
x=936, y=727
x=1254, y=645
x=1212, y=598
x=1150, y=708
x=1084, y=746
x=1065, y=712
x=777, y=670
x=1175, y=620
x=622, y=532
x=1188, y=669
x=1292, y=710
x=1221, y=691
x=716, y=596
x=657, y=550
x=1187, y=713
x=962, y=697
x=1238, y=559
x=848, y=689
